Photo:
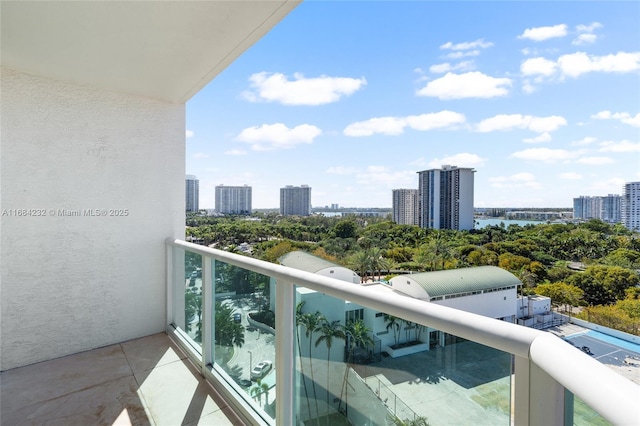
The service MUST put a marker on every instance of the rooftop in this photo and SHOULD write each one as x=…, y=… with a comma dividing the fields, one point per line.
x=455, y=281
x=306, y=261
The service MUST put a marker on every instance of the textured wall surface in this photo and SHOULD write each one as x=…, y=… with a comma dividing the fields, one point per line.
x=74, y=282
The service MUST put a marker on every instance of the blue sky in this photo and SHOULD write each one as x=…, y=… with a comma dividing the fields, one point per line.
x=354, y=98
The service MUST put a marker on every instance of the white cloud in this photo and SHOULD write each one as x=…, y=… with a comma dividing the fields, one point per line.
x=480, y=43
x=462, y=54
x=609, y=186
x=544, y=33
x=584, y=141
x=518, y=180
x=440, y=68
x=546, y=155
x=384, y=125
x=396, y=125
x=588, y=28
x=622, y=146
x=189, y=133
x=595, y=161
x=544, y=137
x=235, y=152
x=529, y=122
x=382, y=175
x=527, y=87
x=276, y=87
x=468, y=85
x=586, y=35
x=624, y=117
x=538, y=66
x=570, y=176
x=420, y=161
x=435, y=120
x=341, y=170
x=200, y=155
x=445, y=67
x=584, y=39
x=576, y=64
x=278, y=136
x=463, y=159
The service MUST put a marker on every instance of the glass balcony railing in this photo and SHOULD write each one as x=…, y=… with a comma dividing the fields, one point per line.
x=288, y=347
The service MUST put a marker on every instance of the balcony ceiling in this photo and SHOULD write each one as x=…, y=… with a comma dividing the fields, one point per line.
x=166, y=50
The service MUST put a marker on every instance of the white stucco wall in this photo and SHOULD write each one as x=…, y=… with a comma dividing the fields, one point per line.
x=408, y=286
x=332, y=309
x=340, y=273
x=74, y=283
x=497, y=304
x=539, y=305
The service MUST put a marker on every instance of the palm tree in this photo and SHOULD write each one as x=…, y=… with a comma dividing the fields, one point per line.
x=329, y=331
x=418, y=421
x=193, y=307
x=361, y=262
x=375, y=257
x=385, y=265
x=258, y=389
x=311, y=322
x=394, y=324
x=425, y=257
x=227, y=331
x=441, y=247
x=299, y=322
x=358, y=335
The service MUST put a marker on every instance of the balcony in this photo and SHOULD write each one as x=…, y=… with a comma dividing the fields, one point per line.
x=477, y=370
x=146, y=381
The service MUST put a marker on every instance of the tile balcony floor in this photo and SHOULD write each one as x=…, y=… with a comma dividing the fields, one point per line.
x=147, y=381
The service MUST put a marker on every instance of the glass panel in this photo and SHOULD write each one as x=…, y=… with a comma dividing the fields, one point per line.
x=244, y=333
x=355, y=366
x=187, y=300
x=584, y=415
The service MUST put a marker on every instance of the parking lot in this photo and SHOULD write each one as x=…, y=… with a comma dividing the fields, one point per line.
x=258, y=346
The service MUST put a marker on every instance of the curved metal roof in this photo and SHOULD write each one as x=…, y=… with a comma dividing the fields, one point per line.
x=306, y=261
x=464, y=280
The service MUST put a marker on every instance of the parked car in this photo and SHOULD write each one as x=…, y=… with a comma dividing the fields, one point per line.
x=243, y=382
x=260, y=370
x=237, y=317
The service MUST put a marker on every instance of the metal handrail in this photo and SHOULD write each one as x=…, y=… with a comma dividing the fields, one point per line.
x=584, y=376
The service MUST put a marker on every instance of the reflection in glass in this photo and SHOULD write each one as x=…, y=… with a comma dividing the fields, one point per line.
x=244, y=333
x=359, y=366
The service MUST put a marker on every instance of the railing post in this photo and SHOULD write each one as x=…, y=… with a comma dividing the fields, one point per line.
x=208, y=316
x=169, y=283
x=538, y=398
x=285, y=354
x=176, y=282
x=520, y=392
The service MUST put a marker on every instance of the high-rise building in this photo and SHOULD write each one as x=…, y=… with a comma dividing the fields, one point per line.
x=233, y=199
x=606, y=208
x=446, y=198
x=192, y=192
x=406, y=206
x=631, y=206
x=585, y=207
x=295, y=200
x=611, y=208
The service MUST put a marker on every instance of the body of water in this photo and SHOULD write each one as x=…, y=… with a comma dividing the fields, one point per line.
x=482, y=223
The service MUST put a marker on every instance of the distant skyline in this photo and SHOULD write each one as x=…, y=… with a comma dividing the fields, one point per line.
x=354, y=98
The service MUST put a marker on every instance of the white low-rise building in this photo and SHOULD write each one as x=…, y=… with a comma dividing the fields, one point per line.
x=485, y=290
